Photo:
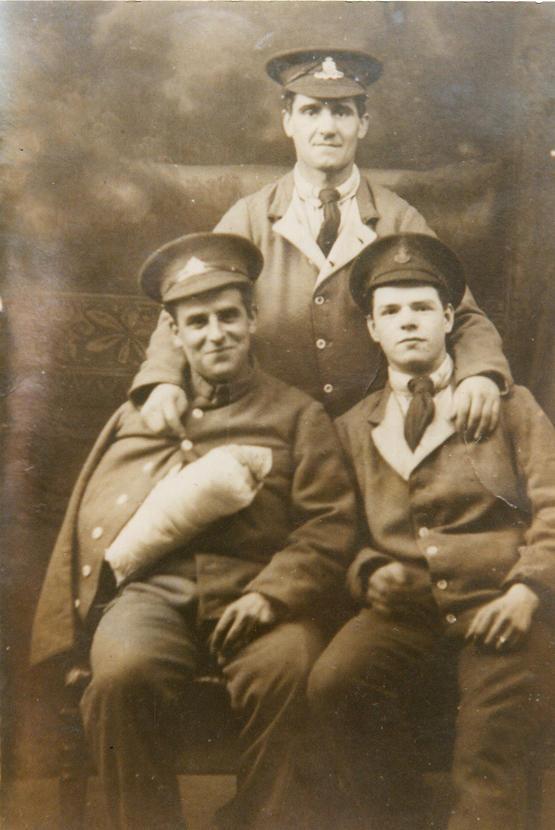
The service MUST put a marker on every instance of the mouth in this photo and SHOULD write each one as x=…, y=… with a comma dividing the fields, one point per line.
x=223, y=350
x=412, y=340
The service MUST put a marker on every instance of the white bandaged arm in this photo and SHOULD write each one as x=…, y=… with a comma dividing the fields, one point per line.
x=185, y=502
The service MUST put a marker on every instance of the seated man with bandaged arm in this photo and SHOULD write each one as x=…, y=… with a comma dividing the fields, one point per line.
x=226, y=545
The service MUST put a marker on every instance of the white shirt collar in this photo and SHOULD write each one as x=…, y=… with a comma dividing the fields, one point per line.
x=309, y=192
x=441, y=377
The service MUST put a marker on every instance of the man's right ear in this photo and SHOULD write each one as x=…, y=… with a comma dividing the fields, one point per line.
x=175, y=333
x=372, y=328
x=286, y=122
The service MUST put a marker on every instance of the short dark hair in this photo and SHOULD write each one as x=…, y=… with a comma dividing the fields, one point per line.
x=287, y=98
x=245, y=289
x=442, y=291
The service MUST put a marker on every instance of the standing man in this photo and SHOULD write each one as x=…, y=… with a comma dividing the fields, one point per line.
x=457, y=569
x=248, y=586
x=310, y=225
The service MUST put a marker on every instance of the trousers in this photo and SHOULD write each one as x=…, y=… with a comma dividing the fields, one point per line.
x=380, y=675
x=145, y=653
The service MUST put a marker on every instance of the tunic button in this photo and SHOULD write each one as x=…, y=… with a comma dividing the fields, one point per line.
x=328, y=388
x=441, y=584
x=197, y=413
x=77, y=603
x=450, y=618
x=86, y=570
x=122, y=499
x=186, y=444
x=148, y=466
x=320, y=343
x=319, y=300
x=423, y=532
x=432, y=550
x=97, y=532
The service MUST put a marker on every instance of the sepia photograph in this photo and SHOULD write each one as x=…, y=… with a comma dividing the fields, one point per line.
x=277, y=374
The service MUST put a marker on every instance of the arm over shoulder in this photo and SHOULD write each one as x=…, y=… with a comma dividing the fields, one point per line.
x=477, y=345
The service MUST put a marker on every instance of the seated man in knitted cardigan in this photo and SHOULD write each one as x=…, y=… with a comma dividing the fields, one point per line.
x=231, y=541
x=453, y=576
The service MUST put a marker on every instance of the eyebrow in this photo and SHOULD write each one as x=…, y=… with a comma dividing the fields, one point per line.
x=311, y=106
x=199, y=315
x=412, y=304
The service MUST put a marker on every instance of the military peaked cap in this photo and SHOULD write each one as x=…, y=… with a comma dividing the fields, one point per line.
x=406, y=258
x=197, y=263
x=324, y=73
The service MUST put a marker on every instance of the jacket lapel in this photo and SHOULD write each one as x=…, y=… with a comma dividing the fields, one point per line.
x=350, y=242
x=294, y=231
x=353, y=238
x=387, y=434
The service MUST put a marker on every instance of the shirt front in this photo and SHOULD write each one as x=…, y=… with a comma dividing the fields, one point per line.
x=308, y=207
x=389, y=435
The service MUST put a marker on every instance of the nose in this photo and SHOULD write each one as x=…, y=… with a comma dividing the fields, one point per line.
x=408, y=319
x=326, y=122
x=215, y=332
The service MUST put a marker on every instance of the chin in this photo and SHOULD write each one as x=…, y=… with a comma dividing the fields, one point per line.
x=416, y=367
x=327, y=164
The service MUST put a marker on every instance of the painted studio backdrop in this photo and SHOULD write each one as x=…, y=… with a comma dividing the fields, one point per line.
x=127, y=124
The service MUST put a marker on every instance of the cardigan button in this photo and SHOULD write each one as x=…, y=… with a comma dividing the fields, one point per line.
x=441, y=584
x=432, y=550
x=450, y=618
x=319, y=300
x=186, y=444
x=86, y=571
x=328, y=388
x=97, y=532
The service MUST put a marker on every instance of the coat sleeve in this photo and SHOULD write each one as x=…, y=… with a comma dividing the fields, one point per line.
x=533, y=438
x=164, y=361
x=310, y=569
x=477, y=346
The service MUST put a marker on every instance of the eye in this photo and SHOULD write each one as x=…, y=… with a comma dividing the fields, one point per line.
x=229, y=315
x=196, y=322
x=342, y=112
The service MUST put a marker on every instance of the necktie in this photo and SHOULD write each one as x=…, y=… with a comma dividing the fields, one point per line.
x=421, y=409
x=332, y=217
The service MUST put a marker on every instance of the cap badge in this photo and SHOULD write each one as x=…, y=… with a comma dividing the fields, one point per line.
x=193, y=267
x=402, y=256
x=329, y=71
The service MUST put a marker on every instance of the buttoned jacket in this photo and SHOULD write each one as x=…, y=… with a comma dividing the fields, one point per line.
x=292, y=544
x=310, y=332
x=477, y=516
